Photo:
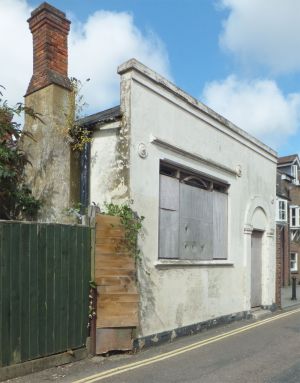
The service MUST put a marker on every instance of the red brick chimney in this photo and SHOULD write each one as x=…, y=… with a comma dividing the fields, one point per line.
x=49, y=27
x=53, y=173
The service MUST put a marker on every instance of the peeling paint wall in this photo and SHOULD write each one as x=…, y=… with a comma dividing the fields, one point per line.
x=109, y=164
x=180, y=294
x=54, y=171
x=110, y=156
x=176, y=294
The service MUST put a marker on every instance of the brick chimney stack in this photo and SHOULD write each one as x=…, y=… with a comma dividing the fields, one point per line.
x=53, y=173
x=49, y=27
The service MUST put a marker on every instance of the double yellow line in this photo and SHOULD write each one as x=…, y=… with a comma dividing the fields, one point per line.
x=179, y=351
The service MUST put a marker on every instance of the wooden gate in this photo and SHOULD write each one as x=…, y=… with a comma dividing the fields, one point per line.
x=44, y=288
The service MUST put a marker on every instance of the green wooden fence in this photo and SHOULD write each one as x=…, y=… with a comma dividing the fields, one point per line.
x=44, y=288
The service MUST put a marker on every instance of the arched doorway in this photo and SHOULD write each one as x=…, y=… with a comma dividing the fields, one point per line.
x=259, y=254
x=259, y=223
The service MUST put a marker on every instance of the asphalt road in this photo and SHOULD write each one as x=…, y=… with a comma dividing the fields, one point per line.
x=248, y=351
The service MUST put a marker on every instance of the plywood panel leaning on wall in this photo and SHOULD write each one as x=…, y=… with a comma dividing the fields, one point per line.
x=115, y=277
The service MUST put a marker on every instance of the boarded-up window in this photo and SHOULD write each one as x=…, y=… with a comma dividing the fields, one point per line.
x=220, y=225
x=193, y=218
x=169, y=217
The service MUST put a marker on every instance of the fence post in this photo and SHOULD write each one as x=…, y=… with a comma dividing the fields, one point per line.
x=91, y=220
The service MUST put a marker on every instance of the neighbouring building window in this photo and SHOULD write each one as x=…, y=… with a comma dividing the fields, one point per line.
x=281, y=210
x=294, y=262
x=193, y=215
x=294, y=216
x=295, y=174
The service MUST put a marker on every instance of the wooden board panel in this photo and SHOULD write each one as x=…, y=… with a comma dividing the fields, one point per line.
x=110, y=248
x=220, y=220
x=110, y=232
x=98, y=253
x=126, y=288
x=119, y=297
x=117, y=242
x=121, y=314
x=121, y=261
x=117, y=272
x=117, y=308
x=115, y=277
x=113, y=339
x=114, y=281
x=107, y=226
x=102, y=219
x=117, y=321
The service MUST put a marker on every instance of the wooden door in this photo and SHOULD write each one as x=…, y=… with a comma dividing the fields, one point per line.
x=256, y=275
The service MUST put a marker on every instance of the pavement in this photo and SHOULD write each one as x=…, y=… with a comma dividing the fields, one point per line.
x=251, y=351
x=286, y=295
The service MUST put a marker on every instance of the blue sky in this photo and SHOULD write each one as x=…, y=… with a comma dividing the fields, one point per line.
x=240, y=57
x=184, y=26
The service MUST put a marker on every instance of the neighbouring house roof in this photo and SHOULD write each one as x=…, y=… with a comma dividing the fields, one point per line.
x=285, y=176
x=288, y=160
x=108, y=115
x=282, y=188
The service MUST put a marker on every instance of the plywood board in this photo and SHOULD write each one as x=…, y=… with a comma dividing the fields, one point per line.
x=109, y=339
x=115, y=277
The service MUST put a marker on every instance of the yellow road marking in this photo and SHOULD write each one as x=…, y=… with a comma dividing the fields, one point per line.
x=179, y=351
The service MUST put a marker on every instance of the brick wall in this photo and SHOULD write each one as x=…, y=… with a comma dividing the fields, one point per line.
x=295, y=194
x=295, y=244
x=49, y=28
x=278, y=265
x=286, y=257
x=282, y=260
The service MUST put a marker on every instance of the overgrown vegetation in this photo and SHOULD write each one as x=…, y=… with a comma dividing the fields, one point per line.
x=92, y=303
x=132, y=223
x=78, y=135
x=16, y=199
x=74, y=212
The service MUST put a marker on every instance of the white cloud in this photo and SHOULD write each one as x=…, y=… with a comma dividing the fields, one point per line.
x=257, y=106
x=96, y=48
x=15, y=48
x=105, y=41
x=263, y=31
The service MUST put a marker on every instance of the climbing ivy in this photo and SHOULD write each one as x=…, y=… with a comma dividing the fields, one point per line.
x=78, y=135
x=131, y=221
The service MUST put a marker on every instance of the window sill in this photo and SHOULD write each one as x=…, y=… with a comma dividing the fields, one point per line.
x=163, y=263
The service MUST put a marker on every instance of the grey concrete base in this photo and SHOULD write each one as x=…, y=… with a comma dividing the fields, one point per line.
x=168, y=336
x=35, y=365
x=273, y=307
x=260, y=313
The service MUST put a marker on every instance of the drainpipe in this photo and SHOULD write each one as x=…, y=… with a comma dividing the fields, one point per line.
x=85, y=178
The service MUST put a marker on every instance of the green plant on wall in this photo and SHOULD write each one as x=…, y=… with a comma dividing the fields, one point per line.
x=92, y=302
x=78, y=136
x=132, y=223
x=16, y=199
x=74, y=212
